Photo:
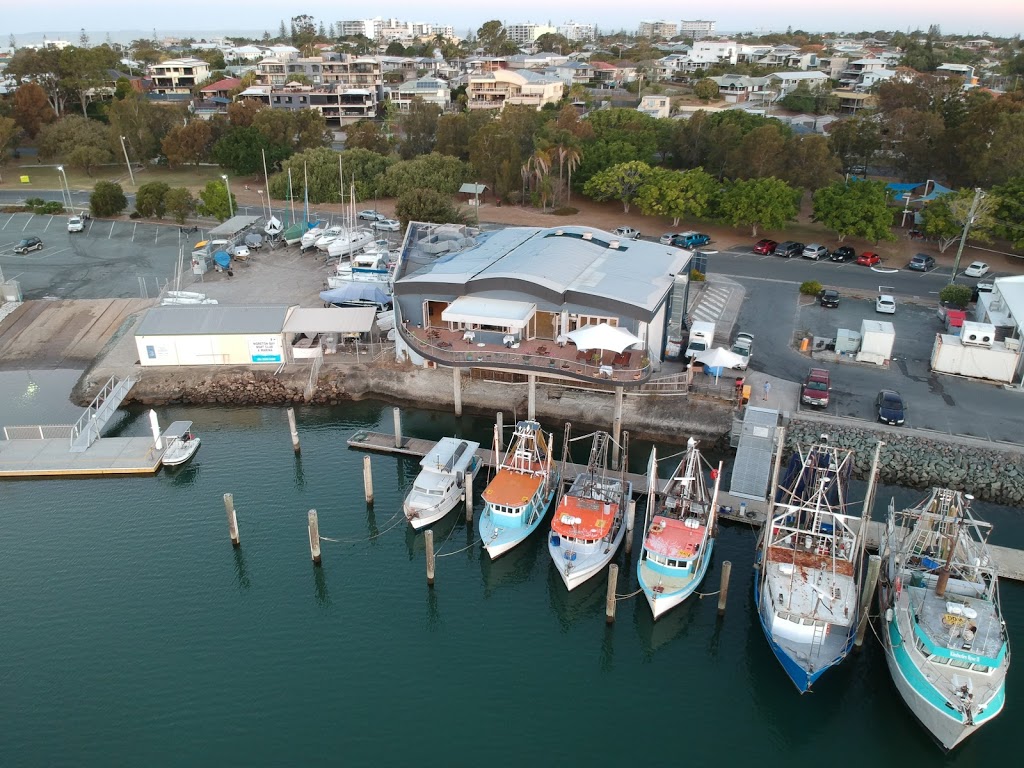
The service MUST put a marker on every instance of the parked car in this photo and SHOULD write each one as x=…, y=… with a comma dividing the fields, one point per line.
x=815, y=251
x=386, y=225
x=667, y=238
x=869, y=259
x=75, y=224
x=843, y=254
x=765, y=247
x=891, y=408
x=744, y=347
x=370, y=216
x=977, y=269
x=885, y=304
x=691, y=239
x=817, y=384
x=921, y=262
x=628, y=233
x=789, y=249
x=829, y=298
x=29, y=244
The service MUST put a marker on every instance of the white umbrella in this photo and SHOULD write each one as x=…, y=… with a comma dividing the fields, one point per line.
x=602, y=336
x=719, y=358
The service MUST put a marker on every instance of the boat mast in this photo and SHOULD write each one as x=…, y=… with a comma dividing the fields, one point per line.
x=266, y=182
x=943, y=579
x=305, y=192
x=652, y=487
x=291, y=198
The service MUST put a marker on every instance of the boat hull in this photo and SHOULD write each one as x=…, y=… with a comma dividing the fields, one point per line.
x=575, y=572
x=420, y=518
x=179, y=453
x=663, y=602
x=499, y=540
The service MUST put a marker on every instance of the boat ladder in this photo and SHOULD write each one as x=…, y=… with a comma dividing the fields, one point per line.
x=818, y=638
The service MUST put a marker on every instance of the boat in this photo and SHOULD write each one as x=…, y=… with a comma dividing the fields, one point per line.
x=944, y=634
x=182, y=444
x=171, y=298
x=352, y=240
x=807, y=565
x=441, y=481
x=366, y=267
x=310, y=236
x=328, y=236
x=293, y=234
x=518, y=497
x=679, y=530
x=358, y=294
x=273, y=227
x=588, y=524
x=386, y=320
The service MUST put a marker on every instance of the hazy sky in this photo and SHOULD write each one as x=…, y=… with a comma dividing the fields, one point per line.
x=56, y=18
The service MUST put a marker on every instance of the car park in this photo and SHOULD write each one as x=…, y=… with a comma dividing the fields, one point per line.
x=890, y=407
x=28, y=244
x=691, y=239
x=921, y=262
x=75, y=224
x=370, y=216
x=977, y=269
x=744, y=347
x=843, y=254
x=815, y=251
x=829, y=298
x=869, y=259
x=386, y=225
x=789, y=249
x=765, y=247
x=885, y=304
x=627, y=232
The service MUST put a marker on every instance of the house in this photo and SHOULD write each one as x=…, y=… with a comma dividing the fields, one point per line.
x=222, y=88
x=339, y=105
x=493, y=90
x=787, y=82
x=737, y=89
x=178, y=77
x=655, y=106
x=606, y=75
x=851, y=102
x=573, y=73
x=966, y=71
x=433, y=90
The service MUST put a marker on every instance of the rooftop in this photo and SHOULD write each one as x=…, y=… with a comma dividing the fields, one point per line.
x=210, y=319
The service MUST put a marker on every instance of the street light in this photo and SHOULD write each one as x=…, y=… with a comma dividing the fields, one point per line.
x=127, y=162
x=65, y=185
x=263, y=208
x=231, y=208
x=979, y=195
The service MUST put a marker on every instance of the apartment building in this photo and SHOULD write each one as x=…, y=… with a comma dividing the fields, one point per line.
x=495, y=89
x=340, y=106
x=697, y=28
x=665, y=29
x=571, y=30
x=528, y=32
x=177, y=77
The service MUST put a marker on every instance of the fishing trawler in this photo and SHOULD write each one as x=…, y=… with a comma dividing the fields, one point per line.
x=944, y=634
x=441, y=481
x=518, y=497
x=679, y=531
x=589, y=522
x=808, y=563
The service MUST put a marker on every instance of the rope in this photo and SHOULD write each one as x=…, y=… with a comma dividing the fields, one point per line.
x=702, y=595
x=630, y=595
x=372, y=536
x=457, y=551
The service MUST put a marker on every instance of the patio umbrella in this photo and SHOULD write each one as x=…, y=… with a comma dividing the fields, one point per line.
x=718, y=358
x=602, y=336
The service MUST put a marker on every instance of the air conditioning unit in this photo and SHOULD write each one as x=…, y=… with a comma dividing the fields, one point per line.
x=613, y=244
x=588, y=235
x=977, y=334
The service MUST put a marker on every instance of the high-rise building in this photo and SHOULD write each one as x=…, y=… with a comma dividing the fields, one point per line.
x=697, y=28
x=573, y=31
x=665, y=29
x=527, y=33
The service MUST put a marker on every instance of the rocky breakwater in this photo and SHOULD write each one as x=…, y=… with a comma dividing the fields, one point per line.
x=919, y=462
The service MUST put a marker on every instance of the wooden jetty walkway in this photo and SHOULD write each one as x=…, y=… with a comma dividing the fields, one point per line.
x=1009, y=561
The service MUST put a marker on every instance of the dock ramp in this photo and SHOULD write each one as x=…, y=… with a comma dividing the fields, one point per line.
x=752, y=469
x=91, y=424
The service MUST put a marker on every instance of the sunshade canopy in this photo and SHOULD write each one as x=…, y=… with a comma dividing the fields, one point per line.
x=495, y=312
x=602, y=336
x=719, y=357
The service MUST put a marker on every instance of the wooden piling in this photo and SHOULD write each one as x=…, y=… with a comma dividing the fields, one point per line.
x=867, y=595
x=469, y=496
x=617, y=426
x=723, y=587
x=630, y=520
x=429, y=539
x=501, y=436
x=609, y=600
x=314, y=537
x=229, y=507
x=396, y=414
x=531, y=396
x=457, y=389
x=367, y=480
x=293, y=429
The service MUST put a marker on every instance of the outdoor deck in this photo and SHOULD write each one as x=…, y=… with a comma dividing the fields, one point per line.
x=51, y=457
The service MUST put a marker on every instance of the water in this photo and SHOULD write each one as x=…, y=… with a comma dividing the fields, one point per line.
x=133, y=632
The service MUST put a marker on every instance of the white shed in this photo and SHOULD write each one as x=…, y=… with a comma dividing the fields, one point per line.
x=212, y=334
x=876, y=340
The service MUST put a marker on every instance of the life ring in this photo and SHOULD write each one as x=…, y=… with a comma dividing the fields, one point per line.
x=657, y=527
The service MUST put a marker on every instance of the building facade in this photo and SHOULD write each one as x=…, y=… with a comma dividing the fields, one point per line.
x=697, y=28
x=495, y=89
x=664, y=29
x=178, y=77
x=527, y=33
x=571, y=30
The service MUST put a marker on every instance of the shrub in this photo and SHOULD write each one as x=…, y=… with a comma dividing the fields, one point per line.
x=957, y=295
x=150, y=200
x=107, y=199
x=51, y=207
x=32, y=202
x=810, y=288
x=566, y=210
x=697, y=276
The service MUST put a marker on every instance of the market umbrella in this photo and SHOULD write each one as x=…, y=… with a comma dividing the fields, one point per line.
x=602, y=336
x=718, y=358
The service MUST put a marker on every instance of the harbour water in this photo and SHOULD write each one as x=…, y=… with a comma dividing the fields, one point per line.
x=134, y=633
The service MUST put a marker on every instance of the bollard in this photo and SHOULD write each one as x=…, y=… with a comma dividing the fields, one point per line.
x=868, y=594
x=294, y=431
x=630, y=520
x=501, y=437
x=229, y=507
x=469, y=495
x=314, y=537
x=609, y=600
x=723, y=587
x=367, y=480
x=429, y=538
x=397, y=415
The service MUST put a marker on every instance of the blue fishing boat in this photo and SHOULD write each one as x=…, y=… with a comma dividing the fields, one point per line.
x=518, y=497
x=807, y=566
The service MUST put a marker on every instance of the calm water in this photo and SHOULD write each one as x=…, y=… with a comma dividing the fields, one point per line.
x=133, y=632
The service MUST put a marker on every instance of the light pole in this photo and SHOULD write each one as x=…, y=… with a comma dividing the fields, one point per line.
x=231, y=208
x=65, y=186
x=127, y=162
x=263, y=208
x=979, y=195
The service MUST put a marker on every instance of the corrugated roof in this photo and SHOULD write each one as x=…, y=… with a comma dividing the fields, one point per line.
x=211, y=319
x=331, y=319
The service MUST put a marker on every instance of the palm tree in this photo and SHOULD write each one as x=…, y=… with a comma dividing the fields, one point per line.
x=540, y=164
x=572, y=161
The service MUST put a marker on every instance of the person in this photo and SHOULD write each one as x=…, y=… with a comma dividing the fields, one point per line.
x=767, y=389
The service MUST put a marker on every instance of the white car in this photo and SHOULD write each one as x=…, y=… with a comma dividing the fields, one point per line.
x=885, y=304
x=744, y=347
x=977, y=269
x=627, y=232
x=370, y=216
x=75, y=224
x=386, y=225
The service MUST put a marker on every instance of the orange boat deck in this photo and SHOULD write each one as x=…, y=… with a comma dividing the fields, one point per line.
x=511, y=489
x=594, y=518
x=672, y=538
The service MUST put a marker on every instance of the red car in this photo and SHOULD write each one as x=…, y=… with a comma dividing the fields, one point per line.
x=765, y=247
x=869, y=259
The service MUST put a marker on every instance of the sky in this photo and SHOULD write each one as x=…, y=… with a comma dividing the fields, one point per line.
x=28, y=19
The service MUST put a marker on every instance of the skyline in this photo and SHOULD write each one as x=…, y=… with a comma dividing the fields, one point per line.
x=996, y=18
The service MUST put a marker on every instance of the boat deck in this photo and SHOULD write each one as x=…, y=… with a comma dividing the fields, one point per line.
x=816, y=593
x=958, y=623
x=674, y=538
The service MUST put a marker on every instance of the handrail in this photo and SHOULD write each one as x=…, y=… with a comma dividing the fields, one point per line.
x=314, y=374
x=92, y=409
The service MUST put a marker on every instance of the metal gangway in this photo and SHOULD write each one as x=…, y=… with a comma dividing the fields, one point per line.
x=90, y=425
x=753, y=465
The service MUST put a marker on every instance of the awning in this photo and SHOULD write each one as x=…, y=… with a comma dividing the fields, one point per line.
x=330, y=320
x=473, y=189
x=497, y=312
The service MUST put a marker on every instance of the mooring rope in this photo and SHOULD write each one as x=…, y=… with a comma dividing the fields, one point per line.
x=630, y=595
x=371, y=537
x=457, y=551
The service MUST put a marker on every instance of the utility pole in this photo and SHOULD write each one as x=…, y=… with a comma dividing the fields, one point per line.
x=978, y=196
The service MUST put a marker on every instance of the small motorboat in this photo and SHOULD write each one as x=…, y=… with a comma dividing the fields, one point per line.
x=180, y=448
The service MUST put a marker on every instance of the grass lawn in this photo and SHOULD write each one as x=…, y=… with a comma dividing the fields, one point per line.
x=47, y=176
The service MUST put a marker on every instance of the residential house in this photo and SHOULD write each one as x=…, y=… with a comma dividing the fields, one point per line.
x=965, y=71
x=606, y=75
x=738, y=89
x=339, y=105
x=573, y=73
x=851, y=102
x=787, y=82
x=656, y=106
x=432, y=90
x=777, y=56
x=493, y=90
x=176, y=78
x=833, y=66
x=221, y=88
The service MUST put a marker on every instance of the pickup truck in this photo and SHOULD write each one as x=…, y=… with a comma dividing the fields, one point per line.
x=817, y=384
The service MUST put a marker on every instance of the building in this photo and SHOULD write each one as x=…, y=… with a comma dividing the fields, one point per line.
x=738, y=89
x=697, y=28
x=571, y=30
x=178, y=77
x=787, y=82
x=357, y=27
x=464, y=298
x=527, y=33
x=339, y=105
x=573, y=73
x=495, y=89
x=965, y=71
x=665, y=29
x=656, y=106
x=433, y=90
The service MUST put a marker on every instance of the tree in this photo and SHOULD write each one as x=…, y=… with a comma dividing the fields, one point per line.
x=74, y=133
x=143, y=124
x=394, y=48
x=858, y=208
x=855, y=140
x=8, y=131
x=913, y=137
x=687, y=194
x=815, y=101
x=944, y=217
x=151, y=199
x=32, y=110
x=441, y=173
x=367, y=134
x=188, y=143
x=241, y=150
x=242, y=113
x=86, y=158
x=553, y=41
x=955, y=295
x=427, y=205
x=759, y=203
x=180, y=203
x=705, y=89
x=809, y=162
x=303, y=30
x=1010, y=212
x=419, y=129
x=620, y=182
x=309, y=128
x=491, y=36
x=455, y=131
x=107, y=199
x=213, y=201
x=760, y=153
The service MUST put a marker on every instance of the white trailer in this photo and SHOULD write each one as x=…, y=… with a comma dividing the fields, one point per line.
x=876, y=340
x=996, y=362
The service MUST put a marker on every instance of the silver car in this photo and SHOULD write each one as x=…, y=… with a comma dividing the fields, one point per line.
x=815, y=251
x=386, y=225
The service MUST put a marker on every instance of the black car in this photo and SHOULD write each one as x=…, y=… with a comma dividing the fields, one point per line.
x=789, y=249
x=843, y=253
x=829, y=298
x=922, y=262
x=891, y=409
x=28, y=244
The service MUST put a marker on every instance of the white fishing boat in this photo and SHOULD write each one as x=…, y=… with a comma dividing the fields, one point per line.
x=352, y=240
x=442, y=480
x=589, y=519
x=182, y=444
x=944, y=634
x=328, y=236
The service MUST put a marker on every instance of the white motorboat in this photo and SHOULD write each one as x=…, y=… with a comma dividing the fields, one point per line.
x=310, y=237
x=440, y=484
x=182, y=444
x=328, y=236
x=366, y=267
x=386, y=320
x=351, y=241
